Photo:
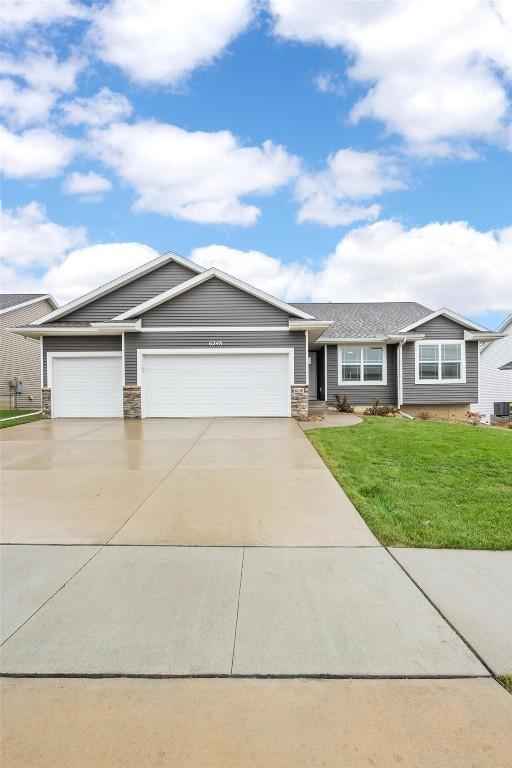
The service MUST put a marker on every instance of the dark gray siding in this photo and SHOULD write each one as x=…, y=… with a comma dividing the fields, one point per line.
x=127, y=296
x=192, y=339
x=362, y=395
x=78, y=344
x=441, y=328
x=435, y=394
x=215, y=303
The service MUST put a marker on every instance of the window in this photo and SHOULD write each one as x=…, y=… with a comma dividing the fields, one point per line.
x=362, y=365
x=440, y=361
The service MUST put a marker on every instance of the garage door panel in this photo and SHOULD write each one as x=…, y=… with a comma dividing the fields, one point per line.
x=87, y=387
x=216, y=385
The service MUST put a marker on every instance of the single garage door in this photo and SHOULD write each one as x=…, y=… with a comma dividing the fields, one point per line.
x=87, y=386
x=219, y=384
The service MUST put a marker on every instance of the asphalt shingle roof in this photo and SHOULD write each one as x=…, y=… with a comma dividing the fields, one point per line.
x=366, y=320
x=13, y=299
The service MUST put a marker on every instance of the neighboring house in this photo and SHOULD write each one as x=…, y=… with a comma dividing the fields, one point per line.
x=21, y=356
x=496, y=371
x=173, y=339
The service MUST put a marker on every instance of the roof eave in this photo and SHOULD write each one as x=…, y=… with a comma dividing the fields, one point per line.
x=45, y=297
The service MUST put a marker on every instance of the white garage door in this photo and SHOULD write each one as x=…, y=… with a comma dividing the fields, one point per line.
x=87, y=386
x=216, y=384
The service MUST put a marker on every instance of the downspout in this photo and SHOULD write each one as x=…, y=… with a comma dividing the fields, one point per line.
x=399, y=366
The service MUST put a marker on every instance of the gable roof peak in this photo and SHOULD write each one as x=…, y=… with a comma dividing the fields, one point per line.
x=204, y=276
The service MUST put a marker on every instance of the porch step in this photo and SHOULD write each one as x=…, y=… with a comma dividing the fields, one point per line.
x=317, y=407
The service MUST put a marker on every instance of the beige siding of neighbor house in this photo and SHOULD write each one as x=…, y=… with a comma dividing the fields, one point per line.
x=20, y=356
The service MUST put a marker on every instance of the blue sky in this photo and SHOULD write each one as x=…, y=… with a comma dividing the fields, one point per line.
x=388, y=172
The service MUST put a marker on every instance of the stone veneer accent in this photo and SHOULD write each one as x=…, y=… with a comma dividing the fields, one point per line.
x=46, y=402
x=132, y=402
x=300, y=400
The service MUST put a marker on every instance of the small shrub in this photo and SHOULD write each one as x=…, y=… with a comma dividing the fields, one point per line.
x=343, y=405
x=376, y=409
x=424, y=415
x=474, y=418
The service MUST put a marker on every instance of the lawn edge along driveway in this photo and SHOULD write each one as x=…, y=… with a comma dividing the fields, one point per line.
x=425, y=483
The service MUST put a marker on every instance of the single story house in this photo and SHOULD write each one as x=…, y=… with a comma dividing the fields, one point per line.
x=21, y=357
x=496, y=372
x=174, y=339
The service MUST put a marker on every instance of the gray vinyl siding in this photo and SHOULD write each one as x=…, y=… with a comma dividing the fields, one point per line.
x=440, y=328
x=21, y=356
x=78, y=344
x=362, y=394
x=436, y=394
x=215, y=303
x=194, y=339
x=127, y=296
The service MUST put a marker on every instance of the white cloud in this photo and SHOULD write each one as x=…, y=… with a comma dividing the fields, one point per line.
x=16, y=15
x=39, y=255
x=195, y=176
x=350, y=175
x=36, y=153
x=87, y=268
x=164, y=40
x=44, y=78
x=449, y=264
x=329, y=82
x=30, y=239
x=24, y=106
x=105, y=107
x=90, y=186
x=433, y=70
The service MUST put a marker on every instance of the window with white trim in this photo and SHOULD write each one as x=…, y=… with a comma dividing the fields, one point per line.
x=362, y=365
x=440, y=362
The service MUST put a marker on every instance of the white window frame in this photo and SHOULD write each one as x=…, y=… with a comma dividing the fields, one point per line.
x=382, y=383
x=439, y=380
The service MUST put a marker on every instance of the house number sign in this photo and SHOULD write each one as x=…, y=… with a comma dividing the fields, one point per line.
x=215, y=343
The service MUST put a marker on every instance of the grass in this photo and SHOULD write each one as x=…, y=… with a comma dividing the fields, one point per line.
x=425, y=483
x=31, y=415
x=506, y=682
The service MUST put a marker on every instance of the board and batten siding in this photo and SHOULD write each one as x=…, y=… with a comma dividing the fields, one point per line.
x=130, y=295
x=215, y=302
x=200, y=339
x=437, y=394
x=21, y=356
x=361, y=394
x=78, y=344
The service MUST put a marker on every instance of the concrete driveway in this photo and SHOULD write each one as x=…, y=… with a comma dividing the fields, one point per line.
x=174, y=481
x=220, y=548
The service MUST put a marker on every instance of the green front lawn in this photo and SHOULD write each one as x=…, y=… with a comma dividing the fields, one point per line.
x=7, y=414
x=425, y=483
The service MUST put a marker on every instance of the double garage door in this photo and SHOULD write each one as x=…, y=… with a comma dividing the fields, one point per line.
x=176, y=385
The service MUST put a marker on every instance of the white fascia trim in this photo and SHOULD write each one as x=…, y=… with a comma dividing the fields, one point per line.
x=149, y=266
x=34, y=333
x=213, y=328
x=488, y=336
x=432, y=342
x=50, y=356
x=450, y=315
x=118, y=326
x=47, y=297
x=360, y=341
x=219, y=351
x=307, y=358
x=300, y=325
x=504, y=324
x=382, y=383
x=207, y=275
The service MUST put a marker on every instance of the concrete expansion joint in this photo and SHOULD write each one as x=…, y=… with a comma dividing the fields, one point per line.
x=441, y=614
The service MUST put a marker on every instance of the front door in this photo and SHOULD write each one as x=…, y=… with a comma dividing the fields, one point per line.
x=312, y=376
